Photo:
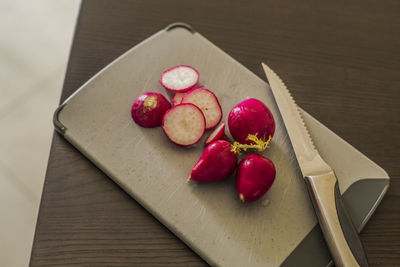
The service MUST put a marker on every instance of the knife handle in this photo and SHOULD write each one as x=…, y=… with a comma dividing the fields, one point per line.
x=339, y=232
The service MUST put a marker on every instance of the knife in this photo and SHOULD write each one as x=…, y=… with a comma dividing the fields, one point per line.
x=339, y=232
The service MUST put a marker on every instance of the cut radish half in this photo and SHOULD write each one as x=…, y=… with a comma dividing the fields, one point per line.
x=149, y=109
x=207, y=102
x=217, y=134
x=180, y=78
x=177, y=98
x=184, y=124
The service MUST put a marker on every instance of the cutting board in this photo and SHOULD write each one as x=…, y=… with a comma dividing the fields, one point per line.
x=278, y=230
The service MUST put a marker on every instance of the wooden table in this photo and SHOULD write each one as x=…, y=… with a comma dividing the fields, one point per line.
x=341, y=60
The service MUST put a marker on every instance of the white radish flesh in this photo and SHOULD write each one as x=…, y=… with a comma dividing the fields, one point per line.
x=180, y=78
x=207, y=102
x=177, y=98
x=184, y=124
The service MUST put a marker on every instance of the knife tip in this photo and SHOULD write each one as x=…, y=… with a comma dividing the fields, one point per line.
x=265, y=67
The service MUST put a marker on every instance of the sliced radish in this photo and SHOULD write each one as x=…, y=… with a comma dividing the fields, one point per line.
x=177, y=98
x=184, y=124
x=217, y=134
x=207, y=102
x=180, y=78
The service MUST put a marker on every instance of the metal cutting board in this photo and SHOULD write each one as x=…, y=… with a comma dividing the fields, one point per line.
x=278, y=230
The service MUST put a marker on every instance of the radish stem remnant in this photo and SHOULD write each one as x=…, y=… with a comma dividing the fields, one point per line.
x=260, y=144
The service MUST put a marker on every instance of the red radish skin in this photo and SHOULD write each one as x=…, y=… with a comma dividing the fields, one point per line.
x=177, y=99
x=254, y=177
x=251, y=116
x=184, y=124
x=207, y=102
x=197, y=87
x=216, y=163
x=179, y=78
x=217, y=134
x=149, y=108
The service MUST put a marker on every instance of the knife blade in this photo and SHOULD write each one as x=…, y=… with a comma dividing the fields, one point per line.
x=339, y=232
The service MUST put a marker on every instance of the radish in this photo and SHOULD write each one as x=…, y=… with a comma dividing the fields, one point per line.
x=149, y=108
x=217, y=162
x=217, y=134
x=178, y=96
x=254, y=177
x=179, y=78
x=207, y=102
x=184, y=124
x=251, y=117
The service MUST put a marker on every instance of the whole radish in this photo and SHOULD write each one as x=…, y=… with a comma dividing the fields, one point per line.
x=217, y=162
x=254, y=177
x=149, y=108
x=251, y=117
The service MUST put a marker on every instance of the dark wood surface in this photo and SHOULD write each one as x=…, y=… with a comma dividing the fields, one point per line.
x=341, y=60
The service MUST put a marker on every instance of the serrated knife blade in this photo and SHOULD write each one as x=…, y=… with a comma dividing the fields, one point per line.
x=339, y=232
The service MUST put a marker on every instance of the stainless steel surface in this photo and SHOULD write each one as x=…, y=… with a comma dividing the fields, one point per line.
x=339, y=234
x=310, y=161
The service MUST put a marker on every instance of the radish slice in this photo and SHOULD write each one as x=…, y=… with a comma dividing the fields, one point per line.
x=177, y=98
x=180, y=78
x=217, y=134
x=184, y=124
x=207, y=102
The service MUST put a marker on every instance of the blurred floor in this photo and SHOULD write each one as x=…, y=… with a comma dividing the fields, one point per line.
x=34, y=47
